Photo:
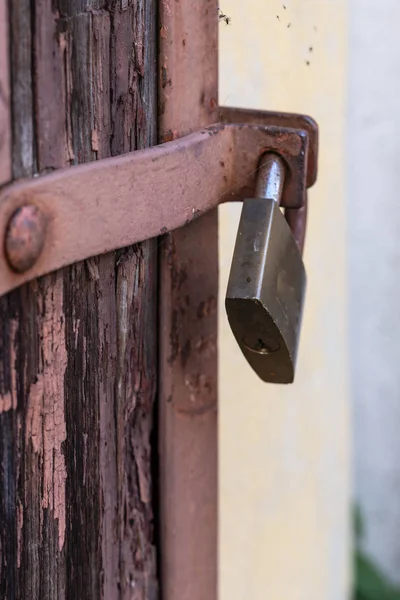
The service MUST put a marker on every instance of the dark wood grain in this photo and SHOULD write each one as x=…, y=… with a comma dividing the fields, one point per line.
x=5, y=112
x=78, y=347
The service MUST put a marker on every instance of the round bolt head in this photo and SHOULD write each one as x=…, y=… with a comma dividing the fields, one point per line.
x=25, y=237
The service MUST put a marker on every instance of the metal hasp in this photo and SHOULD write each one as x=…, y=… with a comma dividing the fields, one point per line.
x=69, y=215
x=267, y=282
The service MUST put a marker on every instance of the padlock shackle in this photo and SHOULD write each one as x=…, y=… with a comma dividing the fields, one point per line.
x=270, y=177
x=270, y=183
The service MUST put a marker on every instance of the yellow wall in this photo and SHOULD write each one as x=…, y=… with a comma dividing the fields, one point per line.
x=284, y=451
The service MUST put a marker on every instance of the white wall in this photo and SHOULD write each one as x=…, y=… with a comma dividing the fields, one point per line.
x=284, y=451
x=374, y=275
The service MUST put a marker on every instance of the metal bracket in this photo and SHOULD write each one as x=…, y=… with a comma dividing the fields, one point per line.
x=72, y=214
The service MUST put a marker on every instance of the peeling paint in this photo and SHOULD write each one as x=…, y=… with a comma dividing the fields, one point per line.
x=95, y=140
x=34, y=415
x=94, y=91
x=45, y=422
x=166, y=8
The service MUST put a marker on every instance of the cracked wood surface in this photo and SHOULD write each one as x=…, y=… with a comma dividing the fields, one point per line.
x=78, y=347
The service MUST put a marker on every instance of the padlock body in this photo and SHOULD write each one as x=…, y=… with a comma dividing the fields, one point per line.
x=266, y=291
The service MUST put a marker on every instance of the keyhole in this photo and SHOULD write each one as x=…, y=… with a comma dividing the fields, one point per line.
x=262, y=346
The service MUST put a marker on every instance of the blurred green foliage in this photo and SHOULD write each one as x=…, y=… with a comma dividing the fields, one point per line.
x=369, y=581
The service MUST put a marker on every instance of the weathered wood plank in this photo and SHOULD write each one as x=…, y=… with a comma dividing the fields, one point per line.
x=5, y=112
x=188, y=79
x=78, y=347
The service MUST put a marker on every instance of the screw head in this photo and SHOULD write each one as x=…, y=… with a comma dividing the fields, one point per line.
x=25, y=237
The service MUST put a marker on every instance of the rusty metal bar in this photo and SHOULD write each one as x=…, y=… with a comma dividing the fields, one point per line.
x=5, y=111
x=188, y=320
x=58, y=219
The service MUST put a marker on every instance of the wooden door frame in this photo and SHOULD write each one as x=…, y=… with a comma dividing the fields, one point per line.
x=188, y=303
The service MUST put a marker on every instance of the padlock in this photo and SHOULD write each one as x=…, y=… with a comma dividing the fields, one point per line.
x=267, y=282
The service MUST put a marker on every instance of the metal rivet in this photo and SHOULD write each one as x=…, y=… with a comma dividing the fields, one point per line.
x=25, y=237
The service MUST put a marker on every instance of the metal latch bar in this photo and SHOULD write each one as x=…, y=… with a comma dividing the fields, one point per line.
x=91, y=209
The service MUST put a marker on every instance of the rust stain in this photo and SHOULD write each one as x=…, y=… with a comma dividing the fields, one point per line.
x=169, y=136
x=45, y=424
x=207, y=307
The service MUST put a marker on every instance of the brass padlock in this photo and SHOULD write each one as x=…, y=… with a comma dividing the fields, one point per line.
x=267, y=282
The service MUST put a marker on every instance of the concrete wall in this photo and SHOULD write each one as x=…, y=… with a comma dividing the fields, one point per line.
x=374, y=275
x=284, y=453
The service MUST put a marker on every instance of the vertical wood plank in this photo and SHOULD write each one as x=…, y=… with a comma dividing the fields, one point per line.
x=188, y=85
x=5, y=113
x=77, y=348
x=8, y=531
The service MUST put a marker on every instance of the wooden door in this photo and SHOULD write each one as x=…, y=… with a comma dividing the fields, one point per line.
x=87, y=509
